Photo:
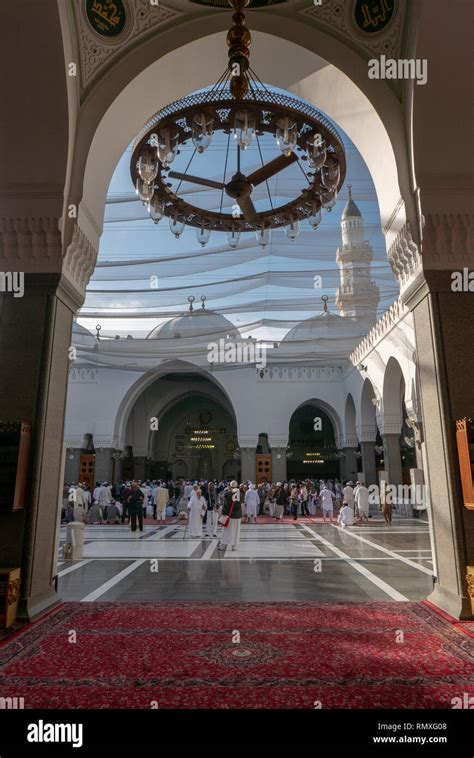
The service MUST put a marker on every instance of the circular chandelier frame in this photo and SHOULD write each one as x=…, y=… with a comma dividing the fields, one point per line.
x=267, y=107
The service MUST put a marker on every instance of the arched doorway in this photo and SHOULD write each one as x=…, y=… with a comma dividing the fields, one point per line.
x=195, y=432
x=312, y=451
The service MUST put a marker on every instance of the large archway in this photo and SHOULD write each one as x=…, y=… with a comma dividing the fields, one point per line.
x=312, y=449
x=192, y=431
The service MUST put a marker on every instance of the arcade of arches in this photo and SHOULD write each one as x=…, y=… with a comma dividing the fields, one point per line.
x=388, y=397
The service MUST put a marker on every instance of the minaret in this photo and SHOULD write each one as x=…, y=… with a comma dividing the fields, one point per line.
x=358, y=296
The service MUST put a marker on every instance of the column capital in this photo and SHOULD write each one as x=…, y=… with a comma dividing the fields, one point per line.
x=350, y=440
x=278, y=440
x=248, y=441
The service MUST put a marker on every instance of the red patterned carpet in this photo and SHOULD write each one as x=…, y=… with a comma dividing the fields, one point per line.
x=181, y=655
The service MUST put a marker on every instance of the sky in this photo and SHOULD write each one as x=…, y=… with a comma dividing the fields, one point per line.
x=144, y=275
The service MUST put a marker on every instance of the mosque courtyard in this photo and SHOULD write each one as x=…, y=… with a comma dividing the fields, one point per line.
x=283, y=562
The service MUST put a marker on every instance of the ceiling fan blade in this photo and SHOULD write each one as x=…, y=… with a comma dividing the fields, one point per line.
x=248, y=209
x=276, y=165
x=196, y=180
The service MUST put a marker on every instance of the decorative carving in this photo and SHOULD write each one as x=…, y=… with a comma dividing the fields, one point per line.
x=448, y=240
x=80, y=259
x=470, y=582
x=336, y=17
x=390, y=318
x=97, y=51
x=83, y=375
x=281, y=374
x=30, y=244
x=13, y=591
x=404, y=256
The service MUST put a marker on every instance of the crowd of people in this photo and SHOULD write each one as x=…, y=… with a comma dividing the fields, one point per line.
x=203, y=505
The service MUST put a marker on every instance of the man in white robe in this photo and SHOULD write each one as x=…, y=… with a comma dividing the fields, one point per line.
x=362, y=501
x=197, y=507
x=252, y=501
x=346, y=516
x=348, y=495
x=326, y=498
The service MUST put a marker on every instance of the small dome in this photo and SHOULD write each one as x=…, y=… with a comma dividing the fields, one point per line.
x=78, y=329
x=351, y=210
x=320, y=325
x=195, y=323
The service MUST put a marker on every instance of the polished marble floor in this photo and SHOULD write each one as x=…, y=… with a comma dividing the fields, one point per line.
x=274, y=562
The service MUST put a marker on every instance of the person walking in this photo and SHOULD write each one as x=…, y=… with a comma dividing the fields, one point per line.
x=135, y=507
x=294, y=501
x=212, y=513
x=361, y=494
x=326, y=498
x=161, y=499
x=252, y=502
x=233, y=510
x=197, y=508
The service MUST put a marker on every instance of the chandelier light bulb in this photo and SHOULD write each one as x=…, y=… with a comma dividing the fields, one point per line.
x=176, y=225
x=147, y=165
x=317, y=152
x=202, y=131
x=328, y=199
x=292, y=229
x=144, y=191
x=330, y=173
x=286, y=135
x=202, y=234
x=233, y=238
x=156, y=209
x=263, y=235
x=167, y=146
x=315, y=217
x=244, y=129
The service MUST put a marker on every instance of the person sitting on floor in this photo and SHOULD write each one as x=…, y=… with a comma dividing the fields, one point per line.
x=346, y=516
x=113, y=513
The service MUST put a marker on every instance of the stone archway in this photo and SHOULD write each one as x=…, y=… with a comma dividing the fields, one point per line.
x=313, y=442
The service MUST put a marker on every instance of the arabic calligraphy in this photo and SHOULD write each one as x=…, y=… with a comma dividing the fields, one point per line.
x=107, y=18
x=373, y=15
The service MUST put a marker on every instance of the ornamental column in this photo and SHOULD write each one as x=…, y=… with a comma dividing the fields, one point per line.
x=349, y=461
x=278, y=445
x=369, y=468
x=248, y=444
x=443, y=320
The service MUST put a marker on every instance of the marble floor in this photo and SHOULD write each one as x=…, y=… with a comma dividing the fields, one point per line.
x=274, y=562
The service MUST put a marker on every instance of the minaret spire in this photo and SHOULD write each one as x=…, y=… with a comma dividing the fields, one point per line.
x=358, y=296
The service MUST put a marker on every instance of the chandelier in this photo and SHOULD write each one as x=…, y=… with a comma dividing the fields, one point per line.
x=243, y=110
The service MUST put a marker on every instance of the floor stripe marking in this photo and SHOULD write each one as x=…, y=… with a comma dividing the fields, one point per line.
x=390, y=591
x=80, y=564
x=112, y=582
x=388, y=552
x=210, y=550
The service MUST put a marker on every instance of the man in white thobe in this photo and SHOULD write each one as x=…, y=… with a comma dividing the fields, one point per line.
x=252, y=501
x=326, y=497
x=348, y=495
x=346, y=516
x=197, y=507
x=362, y=501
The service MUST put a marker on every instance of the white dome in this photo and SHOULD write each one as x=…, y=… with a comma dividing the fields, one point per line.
x=196, y=323
x=323, y=325
x=78, y=329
